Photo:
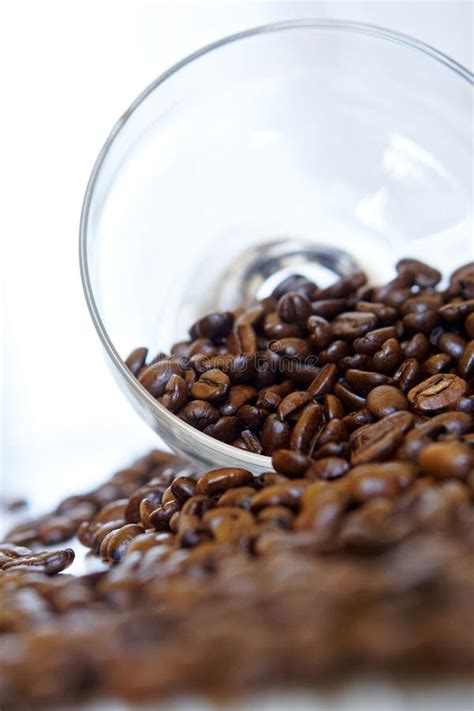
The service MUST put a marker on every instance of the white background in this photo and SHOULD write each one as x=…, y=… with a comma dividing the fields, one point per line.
x=69, y=69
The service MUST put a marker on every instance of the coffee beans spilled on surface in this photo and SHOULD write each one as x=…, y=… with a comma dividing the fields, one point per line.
x=307, y=367
x=356, y=553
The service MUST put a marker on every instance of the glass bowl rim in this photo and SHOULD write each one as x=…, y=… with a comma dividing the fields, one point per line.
x=152, y=404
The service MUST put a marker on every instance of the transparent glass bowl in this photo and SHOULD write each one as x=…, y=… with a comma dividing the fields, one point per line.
x=310, y=134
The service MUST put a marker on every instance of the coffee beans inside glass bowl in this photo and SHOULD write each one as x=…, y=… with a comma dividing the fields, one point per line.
x=298, y=149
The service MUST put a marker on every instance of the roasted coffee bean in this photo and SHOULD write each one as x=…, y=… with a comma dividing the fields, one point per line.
x=386, y=315
x=388, y=358
x=199, y=413
x=278, y=515
x=349, y=399
x=155, y=377
x=417, y=347
x=252, y=316
x=268, y=399
x=372, y=341
x=48, y=562
x=294, y=307
x=396, y=297
x=362, y=381
x=176, y=393
x=290, y=463
x=292, y=404
x=323, y=515
x=438, y=363
x=333, y=408
x=212, y=386
x=274, y=328
x=385, y=399
x=217, y=481
x=116, y=542
x=357, y=419
x=252, y=442
x=437, y=394
x=344, y=286
x=55, y=529
x=136, y=360
x=295, y=282
x=242, y=339
x=290, y=348
x=305, y=430
x=332, y=449
x=408, y=374
x=353, y=324
x=334, y=431
x=252, y=417
x=275, y=434
x=9, y=552
x=424, y=275
x=238, y=396
x=469, y=325
x=358, y=361
x=329, y=308
x=226, y=429
x=183, y=487
x=327, y=468
x=447, y=459
x=334, y=353
x=160, y=518
x=320, y=332
x=241, y=496
x=420, y=322
x=466, y=362
x=324, y=382
x=198, y=504
x=425, y=301
x=448, y=342
x=288, y=495
x=378, y=441
x=215, y=325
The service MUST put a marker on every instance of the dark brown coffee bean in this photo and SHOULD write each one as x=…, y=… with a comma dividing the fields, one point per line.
x=55, y=529
x=215, y=325
x=353, y=324
x=252, y=316
x=357, y=419
x=334, y=431
x=47, y=562
x=408, y=374
x=217, y=481
x=388, y=358
x=378, y=441
x=183, y=487
x=136, y=360
x=466, y=362
x=438, y=363
x=372, y=341
x=268, y=399
x=274, y=328
x=437, y=393
x=238, y=395
x=241, y=496
x=386, y=315
x=384, y=400
x=288, y=494
x=334, y=353
x=417, y=347
x=277, y=515
x=275, y=435
x=396, y=297
x=425, y=301
x=448, y=342
x=324, y=382
x=176, y=393
x=327, y=468
x=369, y=481
x=332, y=449
x=424, y=275
x=362, y=381
x=349, y=399
x=294, y=307
x=323, y=515
x=469, y=325
x=295, y=282
x=252, y=441
x=155, y=377
x=306, y=429
x=344, y=286
x=116, y=542
x=242, y=339
x=251, y=416
x=212, y=386
x=290, y=348
x=9, y=552
x=358, y=361
x=328, y=308
x=226, y=429
x=320, y=332
x=423, y=322
x=333, y=408
x=290, y=463
x=199, y=413
x=447, y=459
x=198, y=504
x=292, y=404
x=160, y=518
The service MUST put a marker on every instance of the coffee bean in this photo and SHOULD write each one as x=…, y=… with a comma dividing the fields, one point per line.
x=47, y=562
x=242, y=339
x=136, y=360
x=292, y=404
x=241, y=496
x=449, y=343
x=387, y=359
x=446, y=459
x=176, y=392
x=252, y=417
x=226, y=429
x=385, y=399
x=386, y=315
x=328, y=308
x=327, y=468
x=160, y=518
x=277, y=515
x=408, y=374
x=306, y=428
x=424, y=275
x=333, y=408
x=275, y=435
x=372, y=341
x=252, y=442
x=274, y=328
x=349, y=399
x=353, y=324
x=217, y=481
x=370, y=481
x=290, y=348
x=437, y=393
x=378, y=441
x=358, y=361
x=288, y=495
x=334, y=353
x=215, y=325
x=294, y=307
x=362, y=382
x=324, y=382
x=420, y=322
x=469, y=325
x=357, y=419
x=155, y=377
x=320, y=332
x=438, y=363
x=212, y=386
x=334, y=431
x=417, y=347
x=290, y=463
x=466, y=362
x=238, y=395
x=295, y=282
x=199, y=413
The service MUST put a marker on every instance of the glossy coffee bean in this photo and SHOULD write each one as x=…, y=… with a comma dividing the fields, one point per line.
x=362, y=382
x=292, y=404
x=275, y=435
x=238, y=396
x=136, y=360
x=324, y=382
x=327, y=468
x=424, y=275
x=437, y=393
x=447, y=459
x=320, y=332
x=211, y=386
x=306, y=428
x=385, y=399
x=199, y=414
x=226, y=429
x=294, y=307
x=252, y=442
x=353, y=324
x=379, y=441
x=215, y=325
x=333, y=408
x=217, y=481
x=290, y=463
x=155, y=377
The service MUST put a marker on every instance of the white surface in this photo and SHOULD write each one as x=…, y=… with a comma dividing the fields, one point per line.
x=69, y=69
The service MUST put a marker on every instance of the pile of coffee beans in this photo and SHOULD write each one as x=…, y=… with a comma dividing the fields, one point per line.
x=356, y=552
x=306, y=368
